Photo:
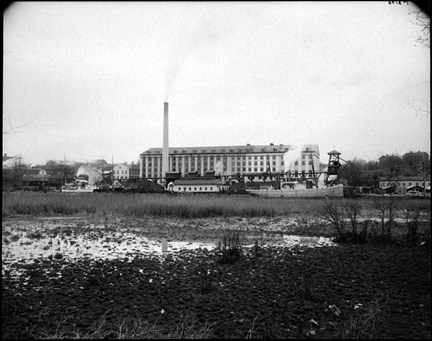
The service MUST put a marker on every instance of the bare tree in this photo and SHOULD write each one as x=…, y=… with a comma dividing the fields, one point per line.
x=12, y=128
x=423, y=21
x=335, y=214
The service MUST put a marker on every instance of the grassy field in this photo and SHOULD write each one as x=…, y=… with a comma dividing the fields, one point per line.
x=164, y=205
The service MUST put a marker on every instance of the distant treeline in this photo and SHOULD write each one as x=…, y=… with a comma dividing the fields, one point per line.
x=359, y=172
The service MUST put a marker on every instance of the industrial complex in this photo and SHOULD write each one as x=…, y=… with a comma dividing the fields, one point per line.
x=245, y=160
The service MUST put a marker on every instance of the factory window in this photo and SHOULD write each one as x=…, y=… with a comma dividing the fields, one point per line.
x=190, y=188
x=417, y=183
x=409, y=183
x=194, y=188
x=303, y=163
x=211, y=188
x=404, y=184
x=310, y=162
x=398, y=183
x=296, y=163
x=205, y=188
x=200, y=188
x=184, y=188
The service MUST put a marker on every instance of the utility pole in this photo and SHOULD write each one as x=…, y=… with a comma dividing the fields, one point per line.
x=424, y=176
x=64, y=169
x=18, y=172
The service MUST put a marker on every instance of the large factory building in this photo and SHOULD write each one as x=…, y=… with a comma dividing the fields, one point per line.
x=247, y=160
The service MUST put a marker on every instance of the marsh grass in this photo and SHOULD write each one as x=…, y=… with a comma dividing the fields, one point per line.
x=139, y=205
x=362, y=323
x=163, y=205
x=134, y=327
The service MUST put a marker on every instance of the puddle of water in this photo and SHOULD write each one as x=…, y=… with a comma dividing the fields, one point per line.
x=20, y=244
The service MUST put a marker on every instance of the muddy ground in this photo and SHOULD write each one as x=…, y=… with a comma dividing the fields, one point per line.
x=61, y=276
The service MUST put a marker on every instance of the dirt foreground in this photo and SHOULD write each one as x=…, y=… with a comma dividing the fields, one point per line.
x=82, y=277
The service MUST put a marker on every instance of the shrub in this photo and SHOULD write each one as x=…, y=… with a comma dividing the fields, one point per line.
x=335, y=214
x=386, y=206
x=230, y=249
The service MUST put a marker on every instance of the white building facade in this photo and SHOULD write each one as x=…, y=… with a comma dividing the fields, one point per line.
x=125, y=171
x=232, y=160
x=121, y=171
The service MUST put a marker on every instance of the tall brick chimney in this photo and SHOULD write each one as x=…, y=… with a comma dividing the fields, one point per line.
x=165, y=150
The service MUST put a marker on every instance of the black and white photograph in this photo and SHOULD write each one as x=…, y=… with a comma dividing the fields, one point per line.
x=216, y=170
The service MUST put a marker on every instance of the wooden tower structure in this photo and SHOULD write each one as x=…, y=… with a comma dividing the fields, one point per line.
x=333, y=168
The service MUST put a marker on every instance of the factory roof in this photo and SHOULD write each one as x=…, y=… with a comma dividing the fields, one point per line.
x=233, y=149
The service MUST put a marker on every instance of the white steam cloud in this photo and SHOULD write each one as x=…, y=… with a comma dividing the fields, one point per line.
x=291, y=156
x=218, y=168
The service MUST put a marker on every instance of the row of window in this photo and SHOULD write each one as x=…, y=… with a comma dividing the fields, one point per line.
x=248, y=159
x=239, y=163
x=125, y=172
x=405, y=184
x=194, y=188
x=233, y=169
x=121, y=177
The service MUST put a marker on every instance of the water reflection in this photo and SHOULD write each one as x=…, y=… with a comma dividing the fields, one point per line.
x=23, y=247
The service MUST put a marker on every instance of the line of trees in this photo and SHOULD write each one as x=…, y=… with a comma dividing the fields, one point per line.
x=359, y=172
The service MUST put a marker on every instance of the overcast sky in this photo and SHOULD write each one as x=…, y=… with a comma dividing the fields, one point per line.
x=88, y=80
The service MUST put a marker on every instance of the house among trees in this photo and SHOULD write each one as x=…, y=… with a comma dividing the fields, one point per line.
x=415, y=159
